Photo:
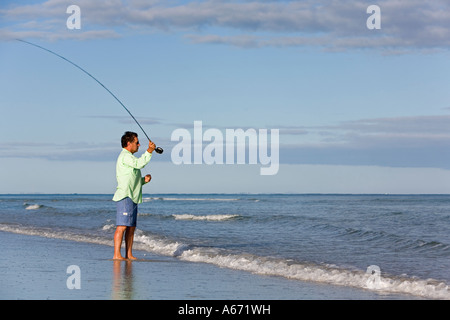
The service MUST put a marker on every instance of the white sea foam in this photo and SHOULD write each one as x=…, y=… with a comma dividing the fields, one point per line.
x=50, y=233
x=317, y=273
x=210, y=217
x=289, y=269
x=109, y=227
x=157, y=245
x=147, y=199
x=294, y=270
x=33, y=207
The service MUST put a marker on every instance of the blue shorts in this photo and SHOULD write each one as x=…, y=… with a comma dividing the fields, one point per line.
x=126, y=213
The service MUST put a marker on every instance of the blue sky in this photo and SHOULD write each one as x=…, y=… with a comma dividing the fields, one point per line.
x=359, y=110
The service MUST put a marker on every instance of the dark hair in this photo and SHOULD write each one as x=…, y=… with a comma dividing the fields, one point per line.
x=128, y=137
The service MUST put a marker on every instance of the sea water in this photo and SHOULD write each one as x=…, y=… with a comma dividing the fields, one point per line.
x=390, y=244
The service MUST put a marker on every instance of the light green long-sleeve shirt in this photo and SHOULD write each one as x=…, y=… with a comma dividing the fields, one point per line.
x=129, y=178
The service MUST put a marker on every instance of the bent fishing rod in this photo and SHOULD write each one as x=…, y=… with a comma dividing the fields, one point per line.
x=158, y=149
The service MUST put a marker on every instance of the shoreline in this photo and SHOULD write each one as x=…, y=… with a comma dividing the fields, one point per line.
x=36, y=268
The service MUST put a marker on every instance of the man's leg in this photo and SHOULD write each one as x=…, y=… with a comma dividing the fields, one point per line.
x=129, y=237
x=118, y=236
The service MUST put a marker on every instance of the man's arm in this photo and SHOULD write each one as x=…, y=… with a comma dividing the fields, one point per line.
x=137, y=163
x=141, y=162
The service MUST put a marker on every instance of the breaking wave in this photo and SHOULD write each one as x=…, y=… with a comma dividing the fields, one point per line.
x=290, y=269
x=33, y=206
x=148, y=199
x=210, y=217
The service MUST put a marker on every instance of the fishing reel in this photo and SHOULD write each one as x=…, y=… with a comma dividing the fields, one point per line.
x=159, y=150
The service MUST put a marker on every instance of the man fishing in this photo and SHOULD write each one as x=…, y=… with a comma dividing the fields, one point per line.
x=129, y=178
x=129, y=191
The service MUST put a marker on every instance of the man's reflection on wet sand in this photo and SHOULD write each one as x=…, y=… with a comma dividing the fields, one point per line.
x=122, y=287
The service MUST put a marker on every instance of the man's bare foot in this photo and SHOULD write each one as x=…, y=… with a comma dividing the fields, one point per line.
x=118, y=258
x=131, y=258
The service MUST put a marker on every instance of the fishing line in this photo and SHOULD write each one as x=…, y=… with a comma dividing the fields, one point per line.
x=158, y=149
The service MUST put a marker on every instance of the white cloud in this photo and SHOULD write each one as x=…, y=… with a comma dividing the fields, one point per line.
x=330, y=25
x=414, y=130
x=414, y=127
x=421, y=141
